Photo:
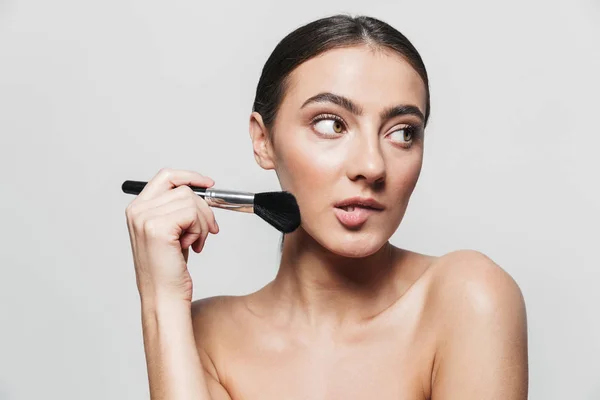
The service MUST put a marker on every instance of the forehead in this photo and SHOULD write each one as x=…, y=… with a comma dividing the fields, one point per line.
x=373, y=78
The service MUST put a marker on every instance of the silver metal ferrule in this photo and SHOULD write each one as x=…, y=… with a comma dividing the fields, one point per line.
x=230, y=199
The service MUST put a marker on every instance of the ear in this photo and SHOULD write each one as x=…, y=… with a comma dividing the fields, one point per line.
x=261, y=144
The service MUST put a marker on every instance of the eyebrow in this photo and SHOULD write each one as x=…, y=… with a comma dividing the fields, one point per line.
x=338, y=100
x=402, y=109
x=352, y=107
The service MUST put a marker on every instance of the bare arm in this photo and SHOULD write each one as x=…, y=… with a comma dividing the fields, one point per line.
x=174, y=368
x=164, y=221
x=483, y=351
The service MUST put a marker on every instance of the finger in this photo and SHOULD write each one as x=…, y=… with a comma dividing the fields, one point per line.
x=197, y=242
x=196, y=232
x=168, y=178
x=212, y=226
x=183, y=193
x=184, y=198
x=177, y=224
x=186, y=231
x=209, y=215
x=199, y=232
x=167, y=208
x=171, y=196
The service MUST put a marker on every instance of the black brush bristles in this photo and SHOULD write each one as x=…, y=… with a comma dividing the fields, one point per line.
x=279, y=209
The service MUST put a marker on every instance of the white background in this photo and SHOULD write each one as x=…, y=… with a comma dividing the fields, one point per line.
x=94, y=93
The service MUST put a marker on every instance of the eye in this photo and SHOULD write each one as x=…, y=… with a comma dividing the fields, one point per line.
x=328, y=125
x=404, y=135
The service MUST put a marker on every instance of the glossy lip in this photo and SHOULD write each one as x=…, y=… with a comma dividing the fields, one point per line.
x=355, y=218
x=359, y=201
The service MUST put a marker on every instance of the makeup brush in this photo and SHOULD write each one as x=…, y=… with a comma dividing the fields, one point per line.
x=279, y=209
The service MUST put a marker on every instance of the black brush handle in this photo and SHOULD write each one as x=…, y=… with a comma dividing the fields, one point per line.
x=135, y=187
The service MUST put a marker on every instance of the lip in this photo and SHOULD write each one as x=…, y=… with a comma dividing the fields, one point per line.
x=364, y=207
x=355, y=218
x=359, y=201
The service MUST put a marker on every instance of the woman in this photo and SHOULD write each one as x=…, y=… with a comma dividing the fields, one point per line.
x=339, y=114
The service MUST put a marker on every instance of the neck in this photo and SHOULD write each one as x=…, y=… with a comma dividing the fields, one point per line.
x=327, y=290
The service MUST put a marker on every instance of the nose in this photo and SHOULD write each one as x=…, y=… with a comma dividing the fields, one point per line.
x=366, y=160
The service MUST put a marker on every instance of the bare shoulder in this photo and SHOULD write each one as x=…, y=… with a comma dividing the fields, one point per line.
x=210, y=315
x=209, y=307
x=214, y=320
x=479, y=315
x=473, y=282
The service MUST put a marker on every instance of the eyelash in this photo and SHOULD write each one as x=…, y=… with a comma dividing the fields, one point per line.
x=414, y=131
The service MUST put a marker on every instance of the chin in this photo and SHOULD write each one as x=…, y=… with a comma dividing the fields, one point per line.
x=354, y=244
x=339, y=240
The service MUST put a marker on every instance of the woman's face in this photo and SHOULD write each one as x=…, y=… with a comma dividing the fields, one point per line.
x=350, y=124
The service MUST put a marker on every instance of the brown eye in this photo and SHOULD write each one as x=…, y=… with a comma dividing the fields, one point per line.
x=403, y=136
x=337, y=127
x=329, y=126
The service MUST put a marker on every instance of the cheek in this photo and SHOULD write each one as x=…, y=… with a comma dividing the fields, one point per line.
x=302, y=166
x=403, y=177
x=311, y=172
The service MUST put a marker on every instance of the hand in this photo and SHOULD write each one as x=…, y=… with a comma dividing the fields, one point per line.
x=164, y=220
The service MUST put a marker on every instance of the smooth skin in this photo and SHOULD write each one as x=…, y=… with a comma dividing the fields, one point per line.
x=349, y=315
